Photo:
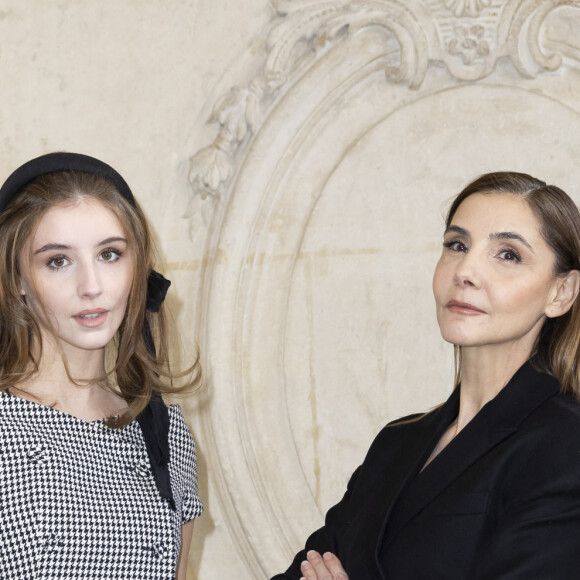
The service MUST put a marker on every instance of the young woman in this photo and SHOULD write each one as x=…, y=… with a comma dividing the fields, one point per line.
x=97, y=476
x=486, y=486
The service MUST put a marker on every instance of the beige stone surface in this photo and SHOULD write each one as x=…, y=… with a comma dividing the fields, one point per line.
x=128, y=81
x=302, y=234
x=322, y=197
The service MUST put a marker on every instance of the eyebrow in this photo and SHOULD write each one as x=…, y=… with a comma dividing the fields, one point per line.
x=511, y=236
x=53, y=247
x=457, y=230
x=496, y=236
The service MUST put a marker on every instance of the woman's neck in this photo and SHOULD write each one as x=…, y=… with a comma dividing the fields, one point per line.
x=77, y=387
x=484, y=373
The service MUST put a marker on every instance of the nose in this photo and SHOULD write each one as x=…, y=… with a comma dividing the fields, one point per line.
x=88, y=282
x=468, y=272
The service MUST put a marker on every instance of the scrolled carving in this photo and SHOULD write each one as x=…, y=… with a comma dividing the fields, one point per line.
x=300, y=35
x=400, y=19
x=331, y=20
x=240, y=111
x=425, y=32
x=524, y=37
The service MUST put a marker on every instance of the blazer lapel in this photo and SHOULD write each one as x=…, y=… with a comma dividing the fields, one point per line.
x=496, y=421
x=418, y=443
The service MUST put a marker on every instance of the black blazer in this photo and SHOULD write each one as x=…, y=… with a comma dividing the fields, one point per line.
x=500, y=502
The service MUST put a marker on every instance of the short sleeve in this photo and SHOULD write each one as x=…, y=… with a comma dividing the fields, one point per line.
x=183, y=466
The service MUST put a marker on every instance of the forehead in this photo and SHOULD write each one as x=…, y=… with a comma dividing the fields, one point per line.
x=497, y=212
x=84, y=220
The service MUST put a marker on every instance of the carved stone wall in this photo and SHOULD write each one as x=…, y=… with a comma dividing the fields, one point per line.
x=318, y=210
x=313, y=205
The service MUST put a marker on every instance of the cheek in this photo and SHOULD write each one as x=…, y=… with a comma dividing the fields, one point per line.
x=52, y=293
x=37, y=292
x=52, y=296
x=440, y=279
x=48, y=307
x=518, y=298
x=125, y=282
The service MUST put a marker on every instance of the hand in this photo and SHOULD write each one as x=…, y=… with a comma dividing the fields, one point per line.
x=327, y=567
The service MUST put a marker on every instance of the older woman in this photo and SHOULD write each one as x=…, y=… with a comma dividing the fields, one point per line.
x=486, y=486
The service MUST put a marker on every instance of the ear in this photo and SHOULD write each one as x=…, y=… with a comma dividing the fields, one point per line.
x=24, y=287
x=565, y=292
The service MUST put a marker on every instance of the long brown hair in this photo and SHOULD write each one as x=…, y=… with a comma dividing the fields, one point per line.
x=557, y=347
x=135, y=371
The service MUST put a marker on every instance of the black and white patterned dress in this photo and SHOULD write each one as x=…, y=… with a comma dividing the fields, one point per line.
x=78, y=500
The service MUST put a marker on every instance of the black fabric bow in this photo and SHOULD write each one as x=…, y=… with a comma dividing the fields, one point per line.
x=154, y=422
x=154, y=419
x=157, y=287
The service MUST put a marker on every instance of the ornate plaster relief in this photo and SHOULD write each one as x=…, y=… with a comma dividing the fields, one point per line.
x=321, y=201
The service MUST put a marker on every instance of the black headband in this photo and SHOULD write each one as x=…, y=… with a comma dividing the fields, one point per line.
x=154, y=420
x=61, y=161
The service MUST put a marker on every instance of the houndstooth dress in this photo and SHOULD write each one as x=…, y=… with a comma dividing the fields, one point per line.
x=78, y=500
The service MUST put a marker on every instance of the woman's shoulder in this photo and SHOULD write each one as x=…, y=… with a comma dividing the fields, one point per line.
x=183, y=462
x=17, y=419
x=415, y=421
x=176, y=417
x=18, y=409
x=398, y=434
x=558, y=417
x=180, y=437
x=545, y=443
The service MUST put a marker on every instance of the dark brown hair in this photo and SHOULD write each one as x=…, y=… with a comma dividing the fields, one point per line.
x=557, y=348
x=135, y=371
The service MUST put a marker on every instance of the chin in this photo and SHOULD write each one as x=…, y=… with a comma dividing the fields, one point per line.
x=92, y=343
x=458, y=339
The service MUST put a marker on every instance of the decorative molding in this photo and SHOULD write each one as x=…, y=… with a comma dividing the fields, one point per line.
x=469, y=36
x=319, y=81
x=471, y=8
x=470, y=43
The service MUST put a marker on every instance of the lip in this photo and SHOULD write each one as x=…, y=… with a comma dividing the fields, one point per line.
x=91, y=318
x=464, y=308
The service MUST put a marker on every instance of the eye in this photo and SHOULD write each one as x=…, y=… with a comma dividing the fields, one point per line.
x=110, y=255
x=510, y=256
x=455, y=246
x=57, y=262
